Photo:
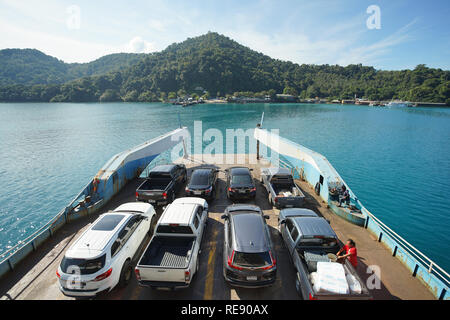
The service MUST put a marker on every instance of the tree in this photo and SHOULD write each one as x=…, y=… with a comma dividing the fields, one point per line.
x=110, y=95
x=290, y=90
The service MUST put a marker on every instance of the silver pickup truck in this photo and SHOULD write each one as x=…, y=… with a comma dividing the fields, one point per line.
x=309, y=240
x=171, y=258
x=282, y=190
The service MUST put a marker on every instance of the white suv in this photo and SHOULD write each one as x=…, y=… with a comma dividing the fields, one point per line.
x=101, y=257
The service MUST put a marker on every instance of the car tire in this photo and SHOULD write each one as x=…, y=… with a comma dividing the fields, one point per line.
x=125, y=274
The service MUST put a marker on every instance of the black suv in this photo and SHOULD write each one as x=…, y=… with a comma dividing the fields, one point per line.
x=240, y=184
x=248, y=256
x=202, y=183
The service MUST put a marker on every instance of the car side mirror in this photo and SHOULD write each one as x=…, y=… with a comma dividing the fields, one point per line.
x=266, y=217
x=329, y=222
x=224, y=216
x=251, y=169
x=282, y=221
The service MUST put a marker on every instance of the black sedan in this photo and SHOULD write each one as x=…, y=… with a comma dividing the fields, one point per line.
x=240, y=184
x=202, y=183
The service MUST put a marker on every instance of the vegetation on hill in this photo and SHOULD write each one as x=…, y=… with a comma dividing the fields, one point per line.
x=30, y=67
x=217, y=65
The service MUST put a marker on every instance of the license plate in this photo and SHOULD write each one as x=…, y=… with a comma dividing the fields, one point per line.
x=74, y=284
x=151, y=201
x=241, y=191
x=289, y=206
x=252, y=278
x=197, y=193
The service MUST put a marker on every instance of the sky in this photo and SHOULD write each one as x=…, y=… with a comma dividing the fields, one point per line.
x=390, y=35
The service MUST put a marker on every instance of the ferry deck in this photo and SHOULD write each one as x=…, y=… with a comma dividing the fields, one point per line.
x=35, y=278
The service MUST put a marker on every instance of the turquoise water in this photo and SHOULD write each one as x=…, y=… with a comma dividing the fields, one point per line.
x=396, y=160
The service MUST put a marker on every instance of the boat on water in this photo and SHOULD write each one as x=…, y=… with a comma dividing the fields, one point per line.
x=406, y=273
x=399, y=103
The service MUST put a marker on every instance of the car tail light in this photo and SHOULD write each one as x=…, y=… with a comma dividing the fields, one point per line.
x=137, y=194
x=164, y=195
x=274, y=262
x=138, y=274
x=231, y=189
x=103, y=276
x=311, y=297
x=208, y=190
x=253, y=190
x=230, y=262
x=187, y=190
x=276, y=199
x=58, y=275
x=187, y=275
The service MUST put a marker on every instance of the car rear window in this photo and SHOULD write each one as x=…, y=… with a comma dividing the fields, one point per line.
x=83, y=266
x=174, y=229
x=199, y=179
x=259, y=259
x=317, y=242
x=241, y=179
x=159, y=175
x=108, y=222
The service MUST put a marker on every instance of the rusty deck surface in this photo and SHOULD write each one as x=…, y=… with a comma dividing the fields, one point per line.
x=35, y=277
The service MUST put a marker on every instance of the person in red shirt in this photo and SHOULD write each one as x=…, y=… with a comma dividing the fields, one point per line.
x=350, y=253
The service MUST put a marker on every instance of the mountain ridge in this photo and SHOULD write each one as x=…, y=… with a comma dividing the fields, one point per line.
x=222, y=66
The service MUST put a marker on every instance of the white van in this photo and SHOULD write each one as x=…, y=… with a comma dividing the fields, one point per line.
x=101, y=257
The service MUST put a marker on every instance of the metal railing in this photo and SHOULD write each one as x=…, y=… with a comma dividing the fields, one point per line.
x=426, y=262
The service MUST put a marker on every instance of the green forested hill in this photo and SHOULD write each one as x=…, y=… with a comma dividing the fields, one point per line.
x=31, y=66
x=222, y=66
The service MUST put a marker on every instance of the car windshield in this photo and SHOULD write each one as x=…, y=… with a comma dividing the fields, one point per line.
x=82, y=266
x=241, y=180
x=199, y=179
x=258, y=259
x=108, y=222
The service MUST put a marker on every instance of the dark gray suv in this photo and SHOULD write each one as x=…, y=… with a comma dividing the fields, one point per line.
x=248, y=256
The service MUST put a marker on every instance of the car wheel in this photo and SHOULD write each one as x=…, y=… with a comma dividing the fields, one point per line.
x=125, y=274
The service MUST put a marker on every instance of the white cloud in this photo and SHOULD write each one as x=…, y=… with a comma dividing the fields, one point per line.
x=339, y=45
x=139, y=45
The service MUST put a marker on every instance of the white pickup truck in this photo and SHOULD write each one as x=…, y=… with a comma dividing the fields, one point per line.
x=171, y=258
